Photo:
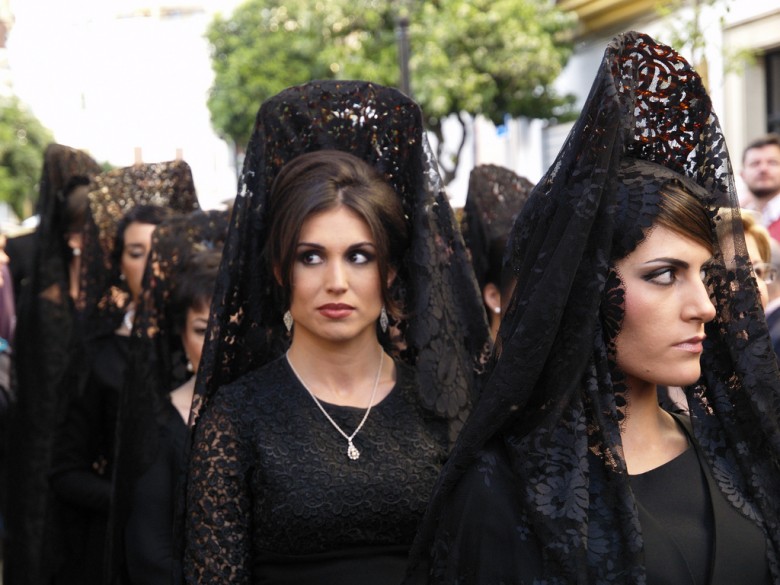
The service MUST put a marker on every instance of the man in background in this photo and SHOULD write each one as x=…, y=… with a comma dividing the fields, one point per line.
x=761, y=175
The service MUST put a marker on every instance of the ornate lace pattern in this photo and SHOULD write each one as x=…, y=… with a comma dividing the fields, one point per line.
x=269, y=475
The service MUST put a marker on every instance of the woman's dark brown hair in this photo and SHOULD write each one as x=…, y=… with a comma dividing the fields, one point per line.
x=685, y=214
x=194, y=286
x=327, y=179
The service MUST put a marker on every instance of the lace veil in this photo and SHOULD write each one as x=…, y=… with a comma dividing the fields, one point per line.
x=552, y=397
x=103, y=296
x=45, y=332
x=157, y=363
x=444, y=334
x=495, y=196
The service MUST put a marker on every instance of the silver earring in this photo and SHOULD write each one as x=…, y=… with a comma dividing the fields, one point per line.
x=122, y=276
x=383, y=320
x=288, y=320
x=190, y=367
x=76, y=251
x=497, y=310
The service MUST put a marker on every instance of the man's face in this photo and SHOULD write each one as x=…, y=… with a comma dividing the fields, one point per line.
x=761, y=171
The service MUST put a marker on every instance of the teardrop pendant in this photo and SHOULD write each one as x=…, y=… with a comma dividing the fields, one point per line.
x=352, y=452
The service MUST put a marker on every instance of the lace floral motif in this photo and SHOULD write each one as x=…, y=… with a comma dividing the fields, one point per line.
x=270, y=477
x=112, y=194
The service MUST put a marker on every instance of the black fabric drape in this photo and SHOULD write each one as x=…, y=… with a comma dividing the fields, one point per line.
x=46, y=336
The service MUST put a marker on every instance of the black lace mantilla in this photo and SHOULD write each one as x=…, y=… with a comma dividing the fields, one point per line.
x=46, y=335
x=495, y=197
x=552, y=401
x=103, y=297
x=444, y=336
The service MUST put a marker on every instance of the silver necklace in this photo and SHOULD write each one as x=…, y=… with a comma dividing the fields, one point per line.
x=352, y=451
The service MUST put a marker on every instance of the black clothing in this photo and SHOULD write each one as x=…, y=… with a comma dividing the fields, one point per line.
x=83, y=462
x=21, y=261
x=47, y=340
x=149, y=548
x=83, y=466
x=145, y=462
x=688, y=527
x=676, y=518
x=555, y=397
x=692, y=534
x=773, y=324
x=273, y=490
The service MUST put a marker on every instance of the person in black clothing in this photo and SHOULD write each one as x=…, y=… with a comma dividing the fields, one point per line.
x=632, y=272
x=165, y=348
x=84, y=451
x=47, y=340
x=82, y=465
x=341, y=355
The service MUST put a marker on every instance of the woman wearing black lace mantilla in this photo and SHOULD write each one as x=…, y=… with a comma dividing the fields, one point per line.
x=340, y=359
x=632, y=272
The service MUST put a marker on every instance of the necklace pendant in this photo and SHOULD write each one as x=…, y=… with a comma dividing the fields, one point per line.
x=352, y=452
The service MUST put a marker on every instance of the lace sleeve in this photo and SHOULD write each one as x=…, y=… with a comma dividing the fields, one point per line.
x=218, y=522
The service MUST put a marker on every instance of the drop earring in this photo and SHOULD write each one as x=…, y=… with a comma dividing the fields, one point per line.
x=383, y=320
x=288, y=320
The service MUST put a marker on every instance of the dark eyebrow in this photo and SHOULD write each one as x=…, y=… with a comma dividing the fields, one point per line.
x=673, y=261
x=677, y=262
x=321, y=247
x=362, y=245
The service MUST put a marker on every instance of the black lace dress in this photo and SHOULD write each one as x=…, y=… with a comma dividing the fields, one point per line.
x=273, y=490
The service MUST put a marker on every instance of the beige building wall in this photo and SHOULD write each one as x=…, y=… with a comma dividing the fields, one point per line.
x=745, y=87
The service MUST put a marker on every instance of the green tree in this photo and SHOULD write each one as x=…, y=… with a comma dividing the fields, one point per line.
x=488, y=57
x=23, y=140
x=686, y=25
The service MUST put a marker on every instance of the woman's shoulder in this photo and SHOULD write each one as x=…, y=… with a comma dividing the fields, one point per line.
x=261, y=384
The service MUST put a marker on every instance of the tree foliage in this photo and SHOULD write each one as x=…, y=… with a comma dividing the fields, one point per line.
x=23, y=140
x=488, y=57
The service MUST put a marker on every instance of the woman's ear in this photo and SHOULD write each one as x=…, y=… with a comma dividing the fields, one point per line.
x=492, y=298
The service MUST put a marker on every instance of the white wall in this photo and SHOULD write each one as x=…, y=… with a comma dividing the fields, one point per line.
x=108, y=79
